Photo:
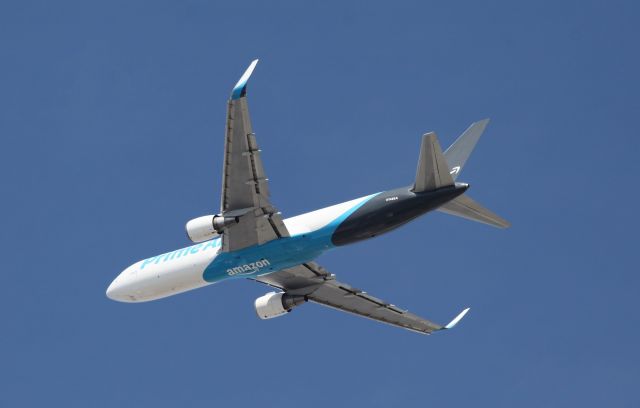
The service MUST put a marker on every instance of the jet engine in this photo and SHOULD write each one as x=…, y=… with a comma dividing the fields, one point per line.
x=208, y=226
x=275, y=304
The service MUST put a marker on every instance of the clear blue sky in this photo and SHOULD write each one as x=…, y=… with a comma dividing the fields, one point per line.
x=112, y=117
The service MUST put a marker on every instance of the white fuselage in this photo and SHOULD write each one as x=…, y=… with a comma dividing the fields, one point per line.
x=182, y=270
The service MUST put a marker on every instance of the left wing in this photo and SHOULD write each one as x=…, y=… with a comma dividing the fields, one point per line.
x=245, y=187
x=318, y=285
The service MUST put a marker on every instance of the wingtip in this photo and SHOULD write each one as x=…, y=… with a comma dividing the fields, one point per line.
x=482, y=123
x=500, y=222
x=240, y=89
x=457, y=319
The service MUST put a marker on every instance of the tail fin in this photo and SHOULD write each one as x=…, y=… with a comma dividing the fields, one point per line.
x=458, y=153
x=465, y=207
x=433, y=170
x=437, y=169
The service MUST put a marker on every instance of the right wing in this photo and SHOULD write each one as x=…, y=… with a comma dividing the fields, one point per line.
x=318, y=285
x=245, y=186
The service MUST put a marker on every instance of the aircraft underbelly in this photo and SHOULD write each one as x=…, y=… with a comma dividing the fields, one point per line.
x=270, y=257
x=388, y=211
x=205, y=263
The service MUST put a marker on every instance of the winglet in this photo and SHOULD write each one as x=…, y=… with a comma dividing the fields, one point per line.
x=455, y=321
x=240, y=89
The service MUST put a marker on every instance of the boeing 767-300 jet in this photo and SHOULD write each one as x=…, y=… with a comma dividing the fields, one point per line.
x=248, y=238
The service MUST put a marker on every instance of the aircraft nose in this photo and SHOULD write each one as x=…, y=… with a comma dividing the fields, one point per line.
x=118, y=292
x=112, y=290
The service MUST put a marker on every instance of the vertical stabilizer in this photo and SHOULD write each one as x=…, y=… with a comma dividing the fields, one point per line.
x=458, y=153
x=433, y=170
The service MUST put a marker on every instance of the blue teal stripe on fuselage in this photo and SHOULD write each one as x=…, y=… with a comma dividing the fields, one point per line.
x=277, y=254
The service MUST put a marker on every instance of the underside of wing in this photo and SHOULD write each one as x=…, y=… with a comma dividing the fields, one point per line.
x=463, y=206
x=245, y=187
x=316, y=284
x=346, y=298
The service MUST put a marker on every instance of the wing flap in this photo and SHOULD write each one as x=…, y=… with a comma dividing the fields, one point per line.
x=343, y=297
x=303, y=279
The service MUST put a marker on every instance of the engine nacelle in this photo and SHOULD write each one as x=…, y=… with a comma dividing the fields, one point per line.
x=275, y=304
x=207, y=227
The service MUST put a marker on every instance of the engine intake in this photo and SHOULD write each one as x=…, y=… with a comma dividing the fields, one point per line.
x=208, y=226
x=275, y=304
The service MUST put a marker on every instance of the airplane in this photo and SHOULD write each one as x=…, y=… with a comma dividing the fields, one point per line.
x=249, y=238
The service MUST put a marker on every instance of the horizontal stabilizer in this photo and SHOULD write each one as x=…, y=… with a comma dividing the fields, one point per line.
x=433, y=170
x=465, y=207
x=458, y=153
